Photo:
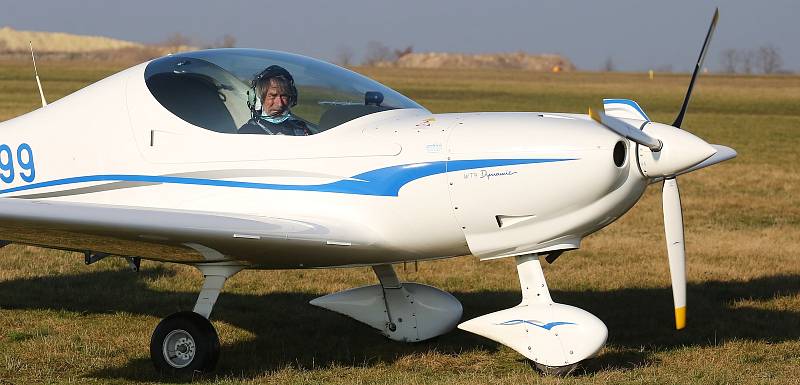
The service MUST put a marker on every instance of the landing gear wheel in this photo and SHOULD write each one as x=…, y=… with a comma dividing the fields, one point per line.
x=184, y=343
x=557, y=371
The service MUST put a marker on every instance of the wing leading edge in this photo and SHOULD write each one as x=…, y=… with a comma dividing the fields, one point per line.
x=182, y=236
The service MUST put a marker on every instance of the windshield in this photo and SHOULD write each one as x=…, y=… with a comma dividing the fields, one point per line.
x=214, y=89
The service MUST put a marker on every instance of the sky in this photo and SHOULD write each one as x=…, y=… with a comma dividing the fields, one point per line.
x=634, y=35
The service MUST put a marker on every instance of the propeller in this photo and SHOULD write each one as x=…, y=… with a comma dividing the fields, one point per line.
x=711, y=28
x=671, y=204
x=679, y=152
x=673, y=230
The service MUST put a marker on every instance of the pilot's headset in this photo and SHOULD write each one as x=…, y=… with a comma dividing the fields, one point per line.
x=273, y=71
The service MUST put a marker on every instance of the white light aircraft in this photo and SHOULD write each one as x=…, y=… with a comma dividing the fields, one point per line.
x=149, y=164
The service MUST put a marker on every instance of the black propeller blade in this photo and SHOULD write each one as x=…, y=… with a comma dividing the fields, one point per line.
x=711, y=28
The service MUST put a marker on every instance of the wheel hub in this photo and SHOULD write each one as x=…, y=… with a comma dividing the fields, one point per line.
x=179, y=348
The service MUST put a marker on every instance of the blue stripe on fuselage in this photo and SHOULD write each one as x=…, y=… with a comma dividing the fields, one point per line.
x=385, y=181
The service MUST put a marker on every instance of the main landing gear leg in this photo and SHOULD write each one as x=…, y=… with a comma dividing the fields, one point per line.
x=553, y=336
x=186, y=342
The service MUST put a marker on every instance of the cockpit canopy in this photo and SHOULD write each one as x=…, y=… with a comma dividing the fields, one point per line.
x=212, y=89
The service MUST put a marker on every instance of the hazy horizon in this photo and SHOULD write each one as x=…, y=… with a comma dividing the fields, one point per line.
x=635, y=36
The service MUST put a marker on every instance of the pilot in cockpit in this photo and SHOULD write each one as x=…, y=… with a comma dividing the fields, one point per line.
x=277, y=92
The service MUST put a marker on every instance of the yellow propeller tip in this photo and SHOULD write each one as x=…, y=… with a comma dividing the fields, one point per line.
x=594, y=115
x=680, y=318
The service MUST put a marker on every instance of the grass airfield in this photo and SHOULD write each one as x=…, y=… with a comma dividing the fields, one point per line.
x=62, y=321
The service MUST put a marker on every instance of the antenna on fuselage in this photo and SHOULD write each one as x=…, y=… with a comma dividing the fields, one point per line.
x=36, y=72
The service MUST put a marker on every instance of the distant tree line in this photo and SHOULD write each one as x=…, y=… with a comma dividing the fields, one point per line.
x=765, y=59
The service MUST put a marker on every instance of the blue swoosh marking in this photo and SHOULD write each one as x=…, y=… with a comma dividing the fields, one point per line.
x=628, y=102
x=385, y=181
x=546, y=326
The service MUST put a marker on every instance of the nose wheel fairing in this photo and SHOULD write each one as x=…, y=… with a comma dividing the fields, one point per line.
x=550, y=334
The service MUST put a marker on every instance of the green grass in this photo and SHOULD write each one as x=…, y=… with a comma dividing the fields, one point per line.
x=62, y=321
x=18, y=336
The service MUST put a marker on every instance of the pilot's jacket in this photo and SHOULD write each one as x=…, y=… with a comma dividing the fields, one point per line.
x=289, y=126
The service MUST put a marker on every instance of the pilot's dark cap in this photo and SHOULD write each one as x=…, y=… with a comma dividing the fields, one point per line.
x=274, y=71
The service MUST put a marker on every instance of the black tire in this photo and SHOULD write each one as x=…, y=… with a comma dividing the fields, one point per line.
x=183, y=344
x=555, y=371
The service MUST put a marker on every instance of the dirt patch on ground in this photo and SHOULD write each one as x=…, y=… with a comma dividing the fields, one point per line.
x=65, y=46
x=14, y=40
x=515, y=60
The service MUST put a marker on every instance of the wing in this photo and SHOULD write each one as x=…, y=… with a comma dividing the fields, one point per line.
x=186, y=236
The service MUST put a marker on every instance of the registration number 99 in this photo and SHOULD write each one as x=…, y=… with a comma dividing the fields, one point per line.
x=17, y=163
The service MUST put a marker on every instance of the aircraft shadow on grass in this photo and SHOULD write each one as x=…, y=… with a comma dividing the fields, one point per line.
x=291, y=333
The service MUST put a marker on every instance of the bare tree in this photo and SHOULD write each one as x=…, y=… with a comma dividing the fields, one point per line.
x=398, y=53
x=729, y=58
x=377, y=52
x=177, y=40
x=769, y=59
x=344, y=55
x=746, y=58
x=228, y=41
x=609, y=66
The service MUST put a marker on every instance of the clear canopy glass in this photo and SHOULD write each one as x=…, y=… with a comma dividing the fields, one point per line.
x=212, y=88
